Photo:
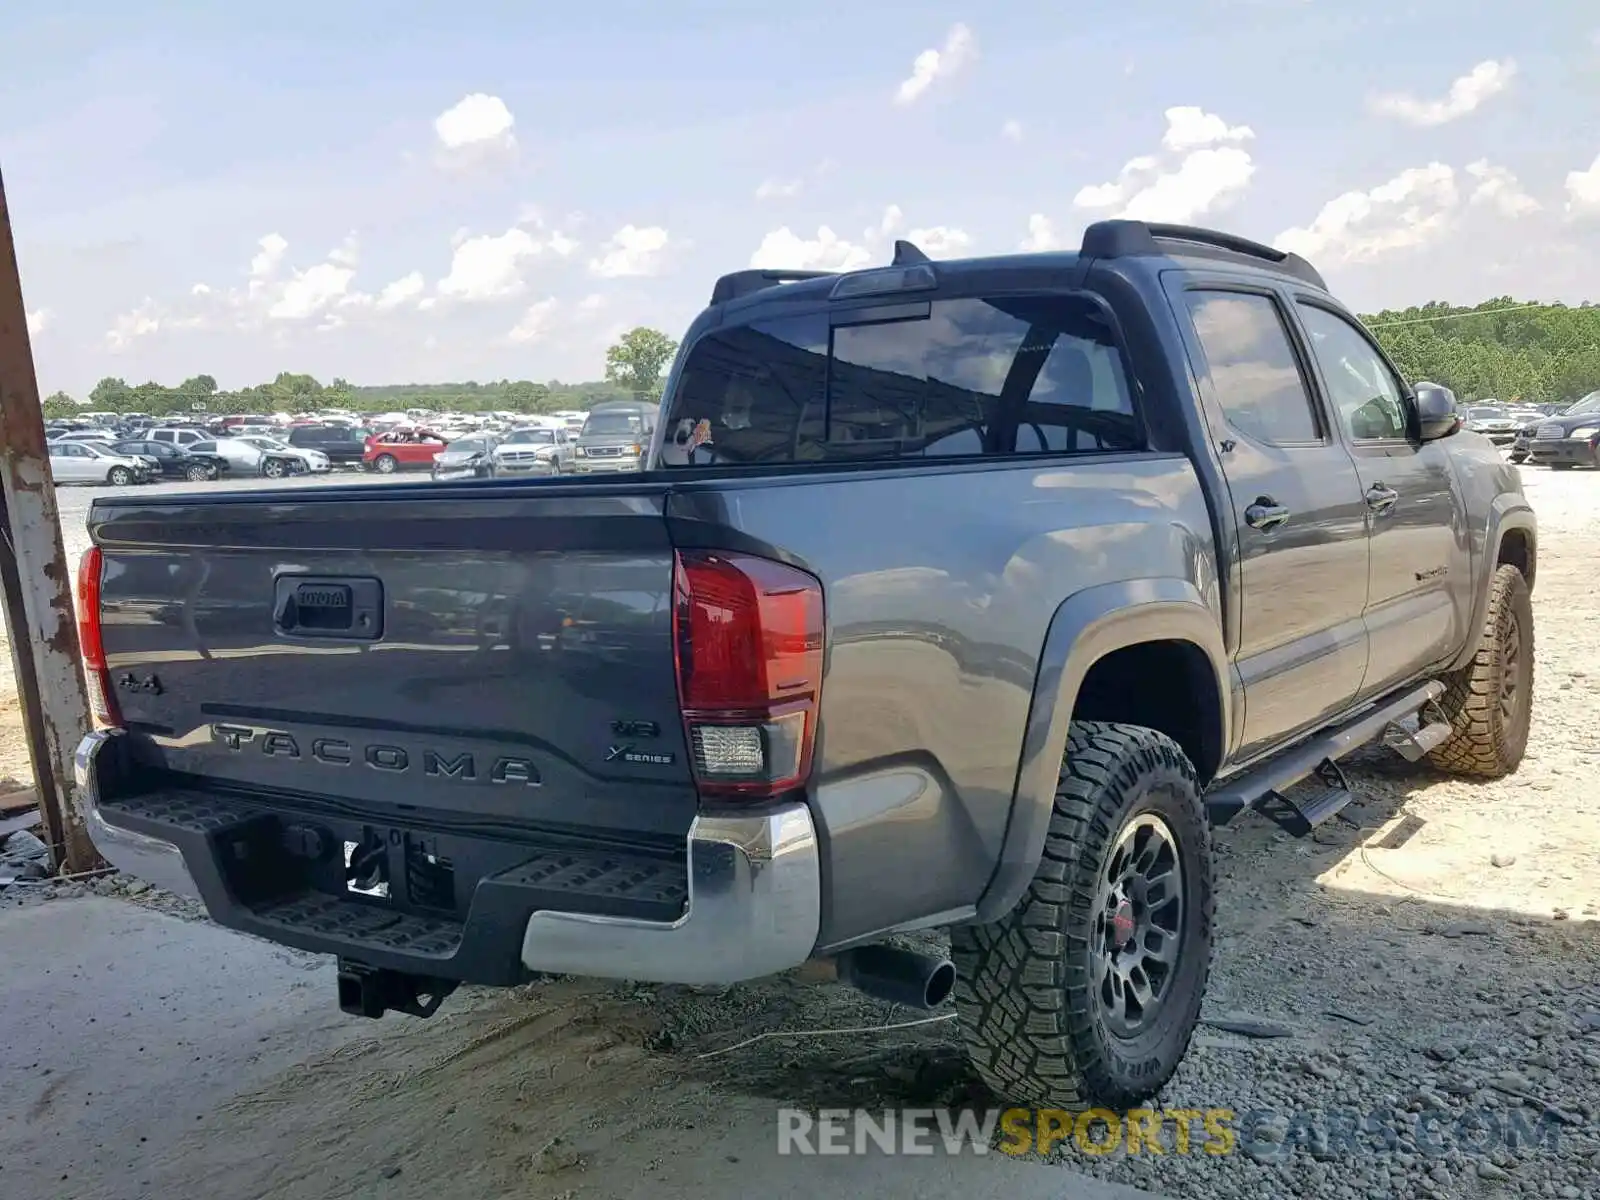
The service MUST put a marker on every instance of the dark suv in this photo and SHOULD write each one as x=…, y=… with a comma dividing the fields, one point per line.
x=342, y=444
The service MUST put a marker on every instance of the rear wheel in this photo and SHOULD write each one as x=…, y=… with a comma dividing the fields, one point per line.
x=199, y=471
x=385, y=464
x=1489, y=702
x=1089, y=991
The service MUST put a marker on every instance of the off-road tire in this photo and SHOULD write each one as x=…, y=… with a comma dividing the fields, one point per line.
x=1034, y=1029
x=1485, y=743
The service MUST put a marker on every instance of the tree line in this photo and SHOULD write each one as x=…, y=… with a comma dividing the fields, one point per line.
x=634, y=369
x=1503, y=349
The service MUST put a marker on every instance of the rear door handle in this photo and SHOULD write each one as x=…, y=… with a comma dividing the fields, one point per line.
x=1265, y=513
x=1380, y=498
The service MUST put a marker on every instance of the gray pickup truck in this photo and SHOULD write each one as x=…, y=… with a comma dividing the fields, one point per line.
x=971, y=595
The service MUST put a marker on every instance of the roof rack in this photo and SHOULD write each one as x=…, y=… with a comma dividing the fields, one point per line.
x=745, y=283
x=1128, y=239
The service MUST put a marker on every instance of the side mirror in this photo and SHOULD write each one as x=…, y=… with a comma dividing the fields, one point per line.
x=1437, y=416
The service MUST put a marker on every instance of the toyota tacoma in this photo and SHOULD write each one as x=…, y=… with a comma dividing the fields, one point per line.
x=961, y=595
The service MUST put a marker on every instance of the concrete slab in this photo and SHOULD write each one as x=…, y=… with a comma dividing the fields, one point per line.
x=142, y=1055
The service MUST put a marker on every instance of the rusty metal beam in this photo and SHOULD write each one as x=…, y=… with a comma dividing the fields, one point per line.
x=36, y=580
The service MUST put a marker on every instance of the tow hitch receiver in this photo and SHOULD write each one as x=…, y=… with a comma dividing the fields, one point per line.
x=372, y=991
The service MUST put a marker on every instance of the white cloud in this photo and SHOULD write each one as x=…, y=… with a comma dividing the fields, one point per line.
x=476, y=122
x=1408, y=211
x=592, y=303
x=1498, y=187
x=1213, y=170
x=1467, y=93
x=940, y=241
x=1012, y=131
x=1042, y=235
x=129, y=327
x=309, y=292
x=265, y=263
x=489, y=267
x=39, y=320
x=407, y=287
x=777, y=189
x=200, y=289
x=631, y=251
x=784, y=250
x=959, y=49
x=1583, y=190
x=535, y=323
x=1190, y=127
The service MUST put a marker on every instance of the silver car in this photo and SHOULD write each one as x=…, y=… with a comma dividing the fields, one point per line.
x=465, y=458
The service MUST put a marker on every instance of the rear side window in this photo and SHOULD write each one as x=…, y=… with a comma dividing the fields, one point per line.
x=1253, y=367
x=204, y=448
x=969, y=377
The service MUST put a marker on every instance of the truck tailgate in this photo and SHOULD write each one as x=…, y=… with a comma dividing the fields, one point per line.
x=501, y=655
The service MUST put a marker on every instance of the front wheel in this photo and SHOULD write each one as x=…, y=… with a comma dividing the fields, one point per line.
x=385, y=464
x=199, y=472
x=1489, y=702
x=119, y=477
x=1088, y=992
x=274, y=468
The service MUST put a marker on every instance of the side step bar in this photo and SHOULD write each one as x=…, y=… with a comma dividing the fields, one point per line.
x=1262, y=785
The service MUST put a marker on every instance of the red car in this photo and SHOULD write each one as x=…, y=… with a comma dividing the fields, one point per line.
x=401, y=451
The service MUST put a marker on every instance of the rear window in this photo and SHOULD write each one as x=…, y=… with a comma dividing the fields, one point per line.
x=968, y=377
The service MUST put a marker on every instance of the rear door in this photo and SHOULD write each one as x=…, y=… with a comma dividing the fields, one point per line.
x=1417, y=599
x=1301, y=571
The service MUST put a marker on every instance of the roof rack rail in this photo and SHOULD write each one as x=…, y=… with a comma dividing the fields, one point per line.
x=745, y=283
x=1127, y=239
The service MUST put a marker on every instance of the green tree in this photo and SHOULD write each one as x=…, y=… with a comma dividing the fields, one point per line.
x=638, y=360
x=109, y=395
x=59, y=404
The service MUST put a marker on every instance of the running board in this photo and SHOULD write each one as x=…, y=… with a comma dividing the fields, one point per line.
x=1226, y=800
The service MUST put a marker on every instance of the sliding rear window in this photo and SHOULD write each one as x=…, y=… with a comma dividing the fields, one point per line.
x=975, y=377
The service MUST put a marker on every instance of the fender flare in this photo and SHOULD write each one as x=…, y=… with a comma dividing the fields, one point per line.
x=1087, y=626
x=1508, y=511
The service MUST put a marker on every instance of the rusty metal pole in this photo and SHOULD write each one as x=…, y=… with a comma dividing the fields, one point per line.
x=36, y=581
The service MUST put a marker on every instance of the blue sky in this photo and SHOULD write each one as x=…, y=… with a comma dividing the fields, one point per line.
x=242, y=192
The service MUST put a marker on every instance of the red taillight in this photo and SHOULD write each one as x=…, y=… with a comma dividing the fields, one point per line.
x=748, y=635
x=102, y=701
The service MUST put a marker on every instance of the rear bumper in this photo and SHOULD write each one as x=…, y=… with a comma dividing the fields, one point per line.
x=744, y=903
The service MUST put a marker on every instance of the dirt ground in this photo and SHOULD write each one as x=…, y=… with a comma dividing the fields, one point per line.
x=1435, y=955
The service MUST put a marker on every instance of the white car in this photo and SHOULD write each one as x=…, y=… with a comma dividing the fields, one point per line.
x=541, y=450
x=247, y=458
x=272, y=448
x=85, y=462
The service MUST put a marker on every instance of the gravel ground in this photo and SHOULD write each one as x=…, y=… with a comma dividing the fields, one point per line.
x=1407, y=1004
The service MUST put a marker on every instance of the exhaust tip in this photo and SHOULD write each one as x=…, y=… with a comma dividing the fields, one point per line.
x=941, y=982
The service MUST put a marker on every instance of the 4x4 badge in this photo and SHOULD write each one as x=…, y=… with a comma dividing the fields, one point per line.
x=630, y=755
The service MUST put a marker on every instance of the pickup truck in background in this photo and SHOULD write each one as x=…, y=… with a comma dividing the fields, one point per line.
x=971, y=595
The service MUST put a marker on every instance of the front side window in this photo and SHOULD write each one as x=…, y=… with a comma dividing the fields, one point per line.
x=1253, y=367
x=1363, y=390
x=952, y=378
